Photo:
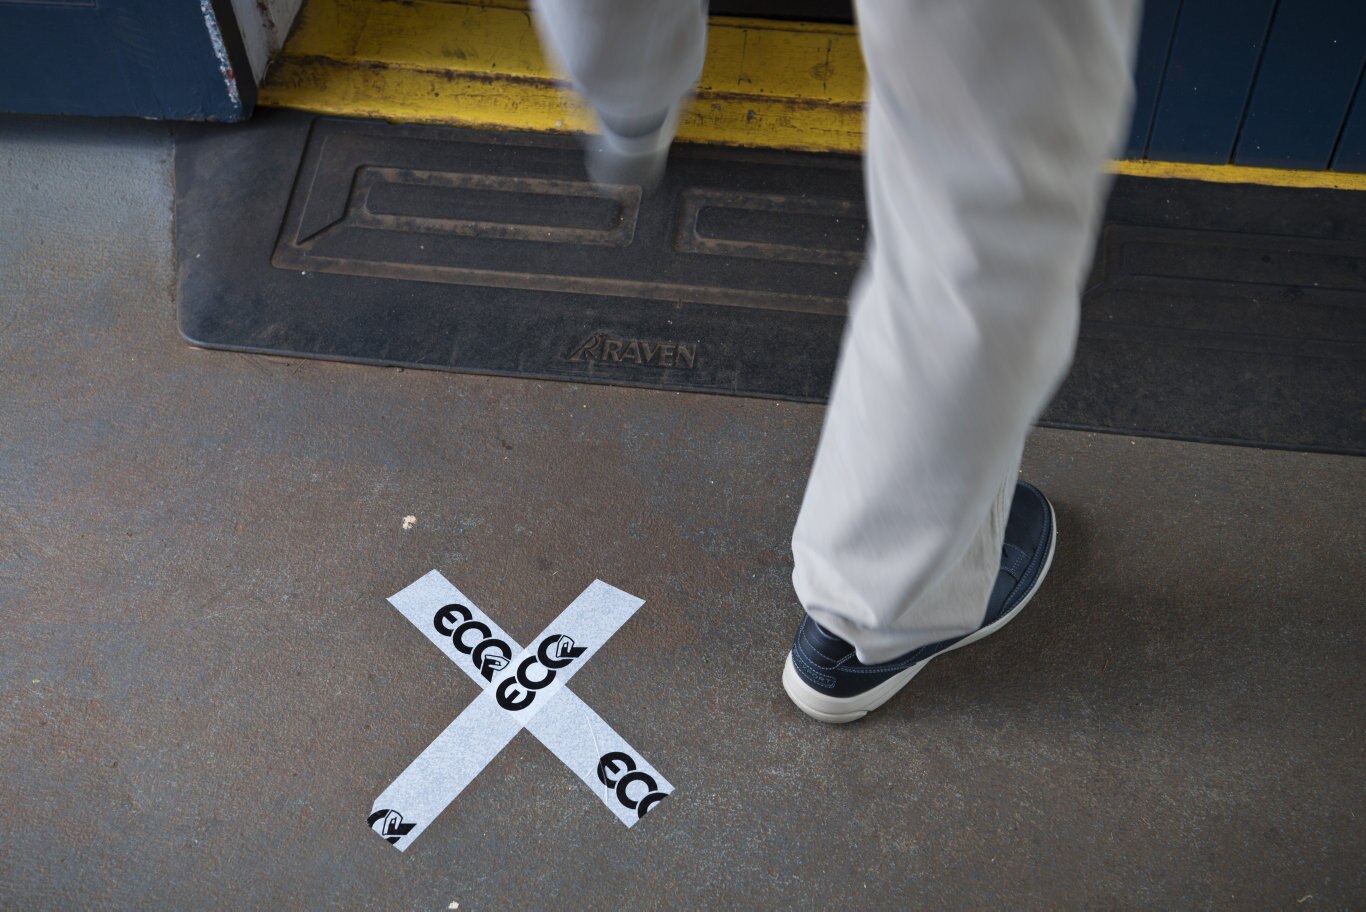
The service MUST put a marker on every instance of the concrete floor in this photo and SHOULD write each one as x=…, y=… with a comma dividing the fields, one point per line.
x=202, y=689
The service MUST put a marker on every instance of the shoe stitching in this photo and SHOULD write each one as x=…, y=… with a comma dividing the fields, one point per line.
x=806, y=668
x=831, y=658
x=1029, y=575
x=1015, y=560
x=807, y=644
x=900, y=665
x=817, y=671
x=886, y=669
x=1041, y=550
x=883, y=671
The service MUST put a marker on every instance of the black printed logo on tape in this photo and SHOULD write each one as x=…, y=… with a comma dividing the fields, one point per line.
x=515, y=677
x=473, y=638
x=389, y=824
x=555, y=652
x=617, y=770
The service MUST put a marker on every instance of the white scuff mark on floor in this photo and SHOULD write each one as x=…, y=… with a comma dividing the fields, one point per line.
x=409, y=522
x=454, y=905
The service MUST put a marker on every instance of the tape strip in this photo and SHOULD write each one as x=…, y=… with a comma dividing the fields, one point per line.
x=541, y=670
x=523, y=687
x=613, y=769
x=419, y=603
x=441, y=772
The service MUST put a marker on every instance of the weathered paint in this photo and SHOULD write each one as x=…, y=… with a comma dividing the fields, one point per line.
x=264, y=24
x=220, y=51
x=783, y=85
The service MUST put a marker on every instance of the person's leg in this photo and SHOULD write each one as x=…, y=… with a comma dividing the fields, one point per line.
x=633, y=61
x=988, y=127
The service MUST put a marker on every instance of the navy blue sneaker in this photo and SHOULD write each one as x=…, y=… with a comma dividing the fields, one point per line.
x=826, y=680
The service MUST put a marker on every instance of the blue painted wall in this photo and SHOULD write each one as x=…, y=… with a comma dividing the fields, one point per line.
x=139, y=58
x=1272, y=83
x=1306, y=80
x=1350, y=154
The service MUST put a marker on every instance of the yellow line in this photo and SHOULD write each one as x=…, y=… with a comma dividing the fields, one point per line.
x=783, y=85
x=1241, y=174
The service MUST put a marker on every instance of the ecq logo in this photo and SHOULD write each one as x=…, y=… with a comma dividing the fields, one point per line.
x=389, y=824
x=491, y=655
x=556, y=651
x=617, y=770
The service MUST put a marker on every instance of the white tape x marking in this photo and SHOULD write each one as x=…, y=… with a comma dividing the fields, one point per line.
x=522, y=688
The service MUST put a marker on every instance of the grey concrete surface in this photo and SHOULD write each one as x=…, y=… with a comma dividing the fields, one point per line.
x=202, y=688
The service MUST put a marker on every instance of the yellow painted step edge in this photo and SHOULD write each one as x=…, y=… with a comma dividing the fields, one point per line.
x=540, y=105
x=778, y=85
x=1241, y=174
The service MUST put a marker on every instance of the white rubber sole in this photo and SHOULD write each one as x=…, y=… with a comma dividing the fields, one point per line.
x=847, y=709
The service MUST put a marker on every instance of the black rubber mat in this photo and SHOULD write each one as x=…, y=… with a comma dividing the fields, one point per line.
x=1221, y=313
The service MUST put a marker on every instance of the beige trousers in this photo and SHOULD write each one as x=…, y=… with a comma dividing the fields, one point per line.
x=988, y=126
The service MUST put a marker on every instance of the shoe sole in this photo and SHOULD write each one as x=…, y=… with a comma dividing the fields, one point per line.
x=848, y=709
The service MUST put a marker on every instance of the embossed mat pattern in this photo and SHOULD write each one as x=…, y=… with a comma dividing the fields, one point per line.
x=1221, y=313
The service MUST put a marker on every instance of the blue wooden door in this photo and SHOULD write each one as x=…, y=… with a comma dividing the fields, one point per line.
x=1271, y=83
x=162, y=59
